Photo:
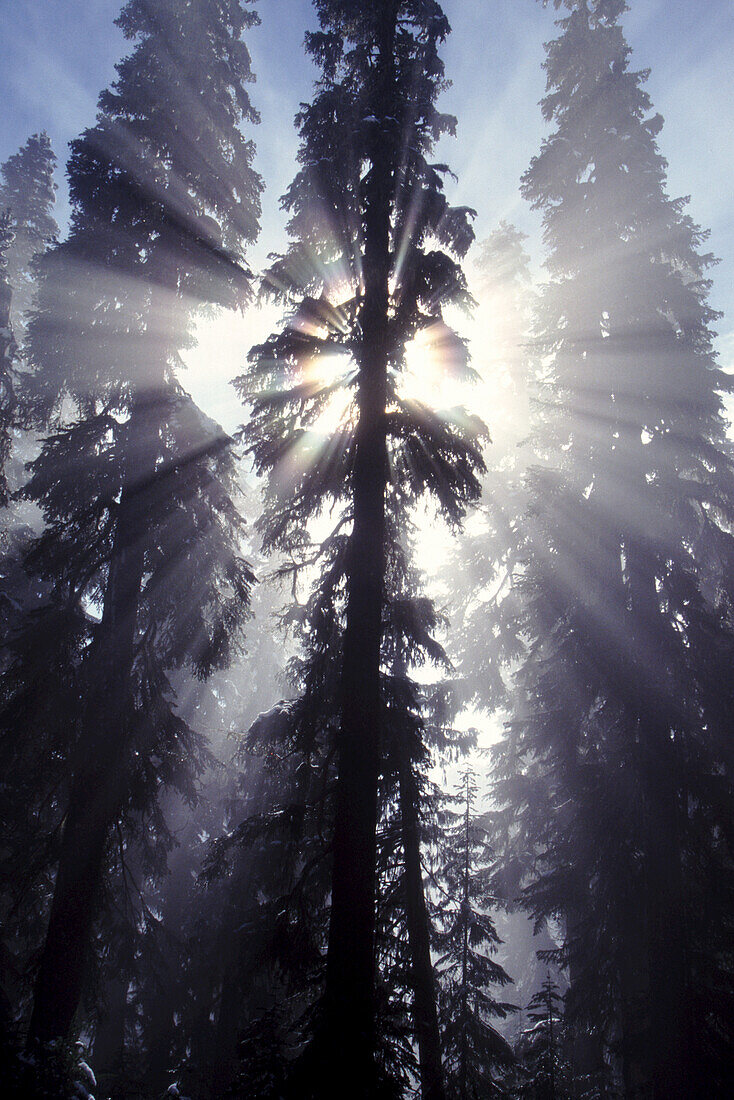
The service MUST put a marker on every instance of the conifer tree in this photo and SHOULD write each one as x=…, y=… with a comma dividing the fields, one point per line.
x=615, y=772
x=541, y=1049
x=143, y=541
x=8, y=352
x=201, y=983
x=373, y=260
x=272, y=869
x=28, y=193
x=466, y=938
x=418, y=731
x=425, y=1008
x=287, y=929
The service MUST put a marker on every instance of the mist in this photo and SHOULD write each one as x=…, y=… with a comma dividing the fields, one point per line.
x=366, y=554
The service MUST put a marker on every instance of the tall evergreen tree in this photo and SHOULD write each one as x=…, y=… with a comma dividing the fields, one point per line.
x=418, y=731
x=367, y=270
x=374, y=259
x=545, y=1073
x=466, y=938
x=28, y=193
x=204, y=984
x=8, y=351
x=616, y=769
x=287, y=931
x=143, y=542
x=425, y=1008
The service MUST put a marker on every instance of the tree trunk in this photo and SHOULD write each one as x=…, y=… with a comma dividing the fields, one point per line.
x=464, y=1054
x=350, y=962
x=664, y=895
x=667, y=945
x=159, y=1034
x=7, y=395
x=424, y=986
x=109, y=1037
x=97, y=792
x=349, y=1002
x=551, y=1048
x=585, y=1048
x=634, y=1023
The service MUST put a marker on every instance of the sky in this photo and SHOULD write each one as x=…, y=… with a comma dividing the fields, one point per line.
x=57, y=55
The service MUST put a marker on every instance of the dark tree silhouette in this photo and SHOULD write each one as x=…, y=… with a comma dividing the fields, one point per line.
x=142, y=542
x=28, y=193
x=544, y=1070
x=466, y=938
x=373, y=261
x=8, y=356
x=616, y=771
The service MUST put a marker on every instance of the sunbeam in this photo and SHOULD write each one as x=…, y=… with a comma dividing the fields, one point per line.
x=366, y=558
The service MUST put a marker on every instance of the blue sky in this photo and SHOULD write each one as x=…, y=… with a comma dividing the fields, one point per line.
x=58, y=54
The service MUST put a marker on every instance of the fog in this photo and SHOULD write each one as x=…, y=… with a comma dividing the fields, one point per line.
x=366, y=562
